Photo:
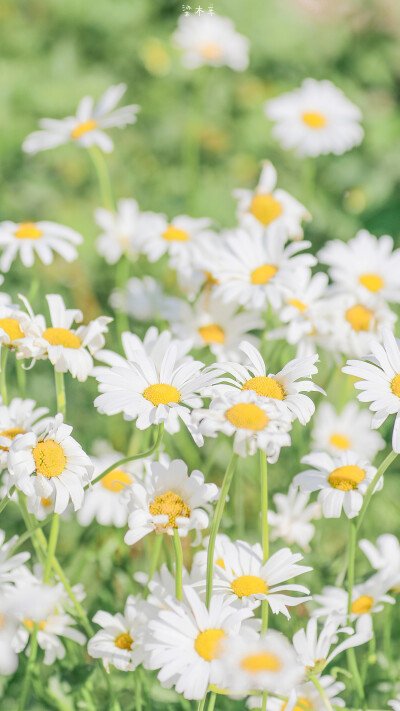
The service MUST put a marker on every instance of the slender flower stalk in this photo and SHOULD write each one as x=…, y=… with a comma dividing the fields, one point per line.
x=351, y=656
x=264, y=529
x=155, y=556
x=367, y=498
x=60, y=393
x=55, y=526
x=103, y=177
x=178, y=564
x=212, y=700
x=321, y=691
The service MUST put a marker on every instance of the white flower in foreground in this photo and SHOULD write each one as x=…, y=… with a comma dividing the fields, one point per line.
x=349, y=430
x=315, y=119
x=341, y=481
x=271, y=207
x=26, y=239
x=291, y=521
x=52, y=462
x=162, y=589
x=185, y=643
x=13, y=323
x=384, y=556
x=255, y=422
x=211, y=39
x=86, y=128
x=304, y=696
x=367, y=598
x=120, y=641
x=379, y=382
x=69, y=350
x=168, y=499
x=121, y=231
x=19, y=417
x=178, y=238
x=10, y=565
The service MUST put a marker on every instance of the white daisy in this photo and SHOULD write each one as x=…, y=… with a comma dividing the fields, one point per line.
x=86, y=128
x=120, y=641
x=162, y=589
x=143, y=299
x=10, y=565
x=384, y=556
x=349, y=430
x=359, y=321
x=178, y=238
x=19, y=417
x=121, y=231
x=42, y=238
x=13, y=323
x=199, y=566
x=341, y=480
x=291, y=521
x=304, y=695
x=315, y=119
x=367, y=598
x=211, y=39
x=274, y=208
x=50, y=462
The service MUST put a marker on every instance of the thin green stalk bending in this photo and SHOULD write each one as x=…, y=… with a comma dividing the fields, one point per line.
x=351, y=656
x=3, y=376
x=156, y=554
x=211, y=702
x=219, y=510
x=321, y=691
x=178, y=564
x=60, y=393
x=264, y=534
x=202, y=703
x=367, y=498
x=51, y=549
x=6, y=499
x=103, y=177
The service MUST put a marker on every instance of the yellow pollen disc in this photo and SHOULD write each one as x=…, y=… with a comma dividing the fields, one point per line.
x=249, y=585
x=49, y=458
x=83, y=128
x=359, y=317
x=247, y=416
x=261, y=662
x=212, y=333
x=263, y=274
x=340, y=441
x=298, y=305
x=362, y=605
x=347, y=477
x=124, y=641
x=313, y=119
x=174, y=234
x=211, y=51
x=45, y=502
x=10, y=434
x=372, y=282
x=208, y=644
x=116, y=480
x=395, y=385
x=301, y=700
x=61, y=337
x=221, y=563
x=30, y=624
x=161, y=394
x=171, y=505
x=28, y=230
x=265, y=208
x=12, y=328
x=210, y=279
x=265, y=386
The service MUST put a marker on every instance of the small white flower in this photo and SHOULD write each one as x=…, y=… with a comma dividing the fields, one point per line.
x=10, y=566
x=291, y=521
x=162, y=589
x=120, y=641
x=367, y=598
x=143, y=299
x=19, y=417
x=385, y=556
x=304, y=695
x=13, y=324
x=359, y=321
x=179, y=238
x=42, y=238
x=121, y=231
x=349, y=430
x=211, y=39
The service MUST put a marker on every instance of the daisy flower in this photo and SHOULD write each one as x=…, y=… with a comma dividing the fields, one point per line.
x=121, y=231
x=13, y=323
x=69, y=350
x=221, y=549
x=86, y=127
x=26, y=239
x=366, y=265
x=291, y=521
x=384, y=556
x=162, y=589
x=315, y=119
x=271, y=207
x=10, y=565
x=379, y=382
x=143, y=299
x=19, y=417
x=177, y=238
x=50, y=462
x=367, y=598
x=120, y=641
x=341, y=481
x=254, y=422
x=349, y=430
x=211, y=39
x=185, y=643
x=359, y=321
x=304, y=695
x=168, y=499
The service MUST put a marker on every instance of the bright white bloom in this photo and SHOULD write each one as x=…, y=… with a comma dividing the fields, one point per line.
x=255, y=422
x=162, y=589
x=385, y=556
x=143, y=299
x=179, y=238
x=367, y=598
x=273, y=208
x=395, y=703
x=42, y=238
x=291, y=521
x=86, y=128
x=168, y=499
x=359, y=321
x=349, y=430
x=222, y=547
x=120, y=642
x=304, y=695
x=366, y=265
x=10, y=565
x=341, y=481
x=52, y=462
x=19, y=417
x=379, y=382
x=13, y=324
x=185, y=643
x=69, y=350
x=315, y=119
x=211, y=39
x=121, y=231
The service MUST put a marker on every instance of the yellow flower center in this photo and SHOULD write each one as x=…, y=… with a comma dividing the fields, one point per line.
x=265, y=208
x=249, y=585
x=221, y=563
x=211, y=51
x=61, y=337
x=171, y=505
x=28, y=230
x=347, y=477
x=261, y=662
x=314, y=119
x=161, y=394
x=174, y=234
x=301, y=700
x=247, y=416
x=265, y=386
x=359, y=317
x=340, y=441
x=49, y=458
x=46, y=502
x=10, y=434
x=263, y=274
x=124, y=641
x=116, y=480
x=212, y=333
x=372, y=282
x=83, y=128
x=395, y=385
x=362, y=605
x=210, y=280
x=12, y=328
x=298, y=305
x=208, y=644
x=30, y=624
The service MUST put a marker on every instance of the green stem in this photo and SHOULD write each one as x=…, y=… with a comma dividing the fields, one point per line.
x=6, y=499
x=138, y=692
x=29, y=668
x=156, y=554
x=60, y=393
x=387, y=641
x=3, y=378
x=178, y=564
x=367, y=498
x=122, y=276
x=55, y=526
x=264, y=537
x=21, y=377
x=219, y=510
x=27, y=535
x=104, y=179
x=30, y=526
x=321, y=691
x=211, y=702
x=264, y=700
x=202, y=703
x=351, y=656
